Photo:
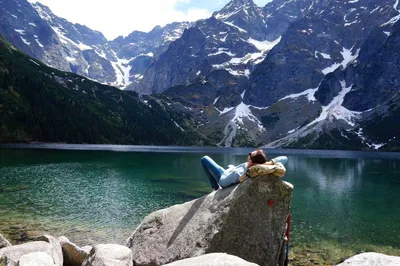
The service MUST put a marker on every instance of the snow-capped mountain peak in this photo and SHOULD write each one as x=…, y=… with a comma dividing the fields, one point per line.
x=235, y=5
x=239, y=10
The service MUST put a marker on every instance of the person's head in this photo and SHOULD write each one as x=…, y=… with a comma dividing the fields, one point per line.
x=257, y=157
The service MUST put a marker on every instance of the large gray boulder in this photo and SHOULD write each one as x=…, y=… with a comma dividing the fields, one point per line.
x=56, y=251
x=371, y=259
x=73, y=255
x=4, y=242
x=212, y=259
x=246, y=220
x=10, y=256
x=109, y=255
x=87, y=249
x=36, y=259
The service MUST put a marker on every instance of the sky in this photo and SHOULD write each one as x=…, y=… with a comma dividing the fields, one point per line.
x=114, y=18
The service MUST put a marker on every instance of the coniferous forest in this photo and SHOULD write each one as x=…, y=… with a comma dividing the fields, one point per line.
x=42, y=104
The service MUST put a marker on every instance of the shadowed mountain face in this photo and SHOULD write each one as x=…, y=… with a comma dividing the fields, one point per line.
x=330, y=36
x=298, y=73
x=39, y=103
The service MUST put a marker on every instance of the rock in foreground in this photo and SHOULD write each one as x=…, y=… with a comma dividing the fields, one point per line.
x=109, y=255
x=247, y=220
x=4, y=242
x=10, y=256
x=73, y=255
x=213, y=259
x=371, y=259
x=36, y=259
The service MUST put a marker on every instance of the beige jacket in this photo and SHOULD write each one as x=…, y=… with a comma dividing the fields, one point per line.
x=275, y=170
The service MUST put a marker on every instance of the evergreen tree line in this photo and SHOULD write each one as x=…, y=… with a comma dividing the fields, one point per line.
x=38, y=103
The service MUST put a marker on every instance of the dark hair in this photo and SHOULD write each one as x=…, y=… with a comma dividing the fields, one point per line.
x=258, y=156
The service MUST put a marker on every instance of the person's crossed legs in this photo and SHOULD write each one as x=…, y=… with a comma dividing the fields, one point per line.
x=213, y=171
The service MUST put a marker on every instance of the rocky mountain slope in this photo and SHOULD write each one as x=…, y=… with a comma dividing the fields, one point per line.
x=318, y=88
x=235, y=39
x=332, y=73
x=36, y=31
x=39, y=103
x=295, y=73
x=340, y=48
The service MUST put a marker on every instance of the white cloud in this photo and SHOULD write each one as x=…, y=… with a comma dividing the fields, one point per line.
x=121, y=17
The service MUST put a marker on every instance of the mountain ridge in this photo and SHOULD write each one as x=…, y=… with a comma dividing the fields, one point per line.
x=293, y=73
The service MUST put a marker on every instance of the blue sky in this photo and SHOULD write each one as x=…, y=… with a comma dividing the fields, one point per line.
x=120, y=17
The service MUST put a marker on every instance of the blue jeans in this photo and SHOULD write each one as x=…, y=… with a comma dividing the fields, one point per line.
x=213, y=171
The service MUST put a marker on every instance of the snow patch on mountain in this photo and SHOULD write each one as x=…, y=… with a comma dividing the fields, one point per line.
x=232, y=9
x=222, y=16
x=234, y=72
x=226, y=110
x=370, y=144
x=350, y=23
x=70, y=59
x=309, y=93
x=222, y=50
x=233, y=25
x=39, y=43
x=393, y=19
x=233, y=66
x=396, y=4
x=348, y=57
x=25, y=41
x=243, y=111
x=325, y=56
x=293, y=130
x=22, y=32
x=34, y=62
x=138, y=76
x=101, y=54
x=122, y=71
x=66, y=40
x=264, y=45
x=175, y=34
x=177, y=125
x=335, y=109
x=43, y=14
x=242, y=94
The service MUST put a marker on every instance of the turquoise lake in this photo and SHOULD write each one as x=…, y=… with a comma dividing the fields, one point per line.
x=341, y=198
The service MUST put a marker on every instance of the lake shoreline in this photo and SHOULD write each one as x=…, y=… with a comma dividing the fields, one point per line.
x=199, y=149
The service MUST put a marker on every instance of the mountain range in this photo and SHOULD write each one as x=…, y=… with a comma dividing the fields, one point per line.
x=294, y=73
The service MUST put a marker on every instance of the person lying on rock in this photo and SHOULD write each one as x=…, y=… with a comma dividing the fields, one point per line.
x=221, y=178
